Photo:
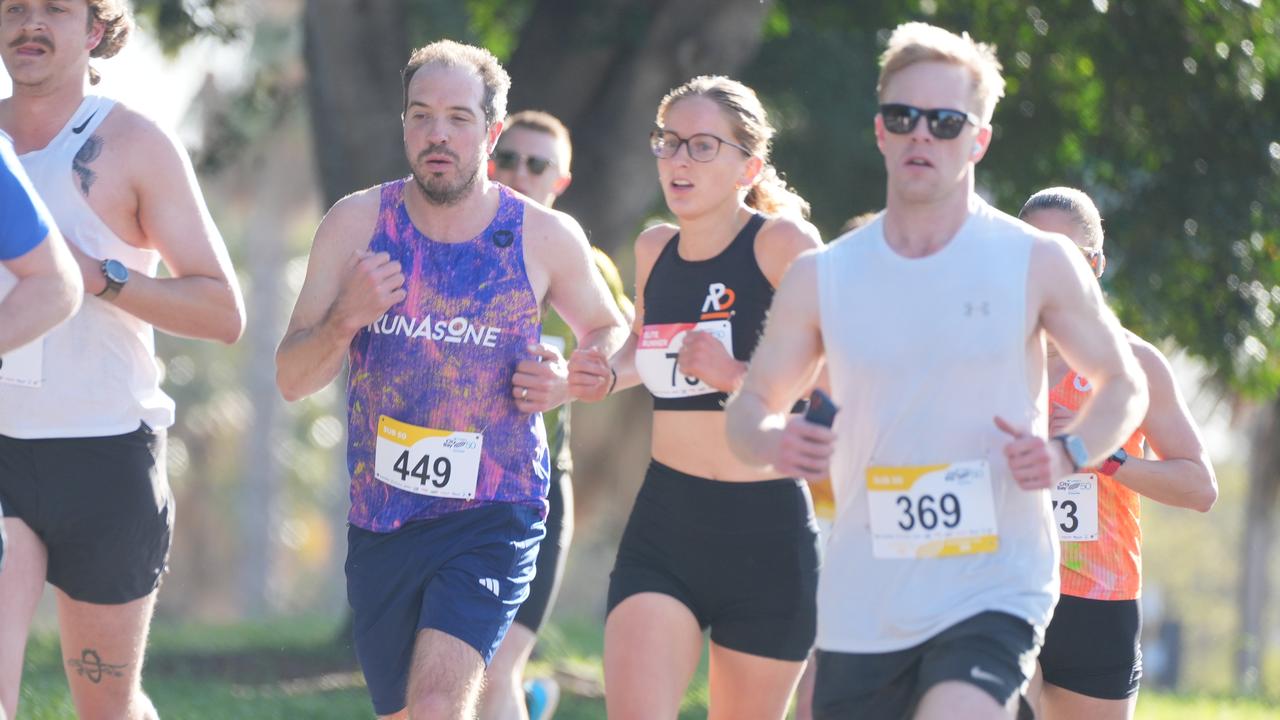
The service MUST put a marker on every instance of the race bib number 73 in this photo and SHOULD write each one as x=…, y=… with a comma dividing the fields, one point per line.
x=1075, y=507
x=929, y=511
x=659, y=348
x=440, y=463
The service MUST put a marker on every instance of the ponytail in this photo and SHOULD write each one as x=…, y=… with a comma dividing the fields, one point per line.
x=771, y=196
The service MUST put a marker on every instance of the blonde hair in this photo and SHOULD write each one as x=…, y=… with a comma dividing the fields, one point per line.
x=918, y=42
x=751, y=129
x=452, y=54
x=117, y=25
x=545, y=122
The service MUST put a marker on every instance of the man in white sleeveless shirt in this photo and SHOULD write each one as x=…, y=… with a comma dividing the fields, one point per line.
x=82, y=468
x=941, y=572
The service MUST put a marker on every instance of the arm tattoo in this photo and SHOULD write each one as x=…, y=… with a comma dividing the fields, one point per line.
x=90, y=151
x=91, y=667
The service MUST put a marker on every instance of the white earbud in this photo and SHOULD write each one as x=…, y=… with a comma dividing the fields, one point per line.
x=977, y=148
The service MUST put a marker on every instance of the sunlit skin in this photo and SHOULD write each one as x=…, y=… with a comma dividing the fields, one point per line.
x=526, y=141
x=42, y=42
x=1178, y=474
x=446, y=139
x=922, y=169
x=696, y=190
x=647, y=672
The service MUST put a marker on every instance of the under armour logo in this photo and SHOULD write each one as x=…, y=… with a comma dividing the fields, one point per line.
x=503, y=238
x=975, y=307
x=491, y=584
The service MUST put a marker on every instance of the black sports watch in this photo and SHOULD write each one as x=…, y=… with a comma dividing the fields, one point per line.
x=1074, y=447
x=117, y=275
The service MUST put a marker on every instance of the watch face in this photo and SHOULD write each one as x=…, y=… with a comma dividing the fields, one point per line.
x=115, y=271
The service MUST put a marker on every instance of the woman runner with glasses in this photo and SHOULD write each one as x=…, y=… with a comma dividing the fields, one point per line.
x=711, y=542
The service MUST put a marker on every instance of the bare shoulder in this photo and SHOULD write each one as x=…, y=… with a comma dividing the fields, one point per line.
x=351, y=220
x=1153, y=362
x=551, y=231
x=780, y=240
x=652, y=239
x=148, y=143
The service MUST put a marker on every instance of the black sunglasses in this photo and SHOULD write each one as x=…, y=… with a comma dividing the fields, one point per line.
x=942, y=123
x=510, y=160
x=703, y=147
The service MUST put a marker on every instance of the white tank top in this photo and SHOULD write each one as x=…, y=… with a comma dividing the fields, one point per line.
x=923, y=353
x=99, y=375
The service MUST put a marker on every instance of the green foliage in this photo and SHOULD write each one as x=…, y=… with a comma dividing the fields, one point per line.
x=178, y=22
x=492, y=24
x=1167, y=112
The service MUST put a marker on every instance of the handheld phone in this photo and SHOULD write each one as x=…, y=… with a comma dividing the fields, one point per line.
x=822, y=411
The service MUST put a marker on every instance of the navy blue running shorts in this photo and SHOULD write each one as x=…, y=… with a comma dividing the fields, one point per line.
x=464, y=574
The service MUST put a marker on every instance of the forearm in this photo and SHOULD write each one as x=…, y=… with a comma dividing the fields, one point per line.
x=33, y=307
x=309, y=359
x=1178, y=482
x=623, y=364
x=608, y=339
x=754, y=433
x=1118, y=405
x=197, y=307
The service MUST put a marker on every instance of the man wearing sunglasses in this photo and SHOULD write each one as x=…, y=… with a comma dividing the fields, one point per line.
x=941, y=571
x=532, y=157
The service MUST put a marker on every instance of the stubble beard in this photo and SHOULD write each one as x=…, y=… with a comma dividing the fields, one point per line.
x=438, y=191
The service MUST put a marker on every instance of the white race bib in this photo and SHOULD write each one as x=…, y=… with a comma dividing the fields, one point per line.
x=23, y=366
x=932, y=511
x=555, y=341
x=656, y=354
x=1075, y=507
x=440, y=463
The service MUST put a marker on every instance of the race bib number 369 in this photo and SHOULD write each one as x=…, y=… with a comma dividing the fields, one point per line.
x=658, y=349
x=441, y=463
x=931, y=511
x=1075, y=507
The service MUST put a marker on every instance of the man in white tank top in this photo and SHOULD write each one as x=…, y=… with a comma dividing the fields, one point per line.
x=941, y=571
x=82, y=469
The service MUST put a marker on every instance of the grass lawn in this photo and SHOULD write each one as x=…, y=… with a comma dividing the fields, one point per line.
x=290, y=669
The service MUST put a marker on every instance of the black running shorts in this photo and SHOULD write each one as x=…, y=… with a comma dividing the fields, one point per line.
x=1093, y=647
x=100, y=505
x=742, y=556
x=993, y=651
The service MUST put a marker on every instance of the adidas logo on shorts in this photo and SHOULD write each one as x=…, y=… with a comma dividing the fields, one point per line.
x=491, y=584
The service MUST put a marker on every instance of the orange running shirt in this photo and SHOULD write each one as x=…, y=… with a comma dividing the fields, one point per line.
x=1109, y=568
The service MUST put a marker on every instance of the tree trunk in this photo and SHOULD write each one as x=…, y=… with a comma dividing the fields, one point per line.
x=1259, y=535
x=354, y=51
x=601, y=66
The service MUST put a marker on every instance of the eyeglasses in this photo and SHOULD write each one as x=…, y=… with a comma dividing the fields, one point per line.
x=510, y=160
x=943, y=124
x=703, y=147
x=1094, y=257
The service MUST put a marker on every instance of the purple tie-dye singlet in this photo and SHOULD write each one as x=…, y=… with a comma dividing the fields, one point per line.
x=443, y=358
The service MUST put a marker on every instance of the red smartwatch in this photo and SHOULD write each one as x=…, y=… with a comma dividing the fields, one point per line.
x=1113, y=463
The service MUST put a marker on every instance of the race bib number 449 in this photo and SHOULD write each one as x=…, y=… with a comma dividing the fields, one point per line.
x=441, y=463
x=930, y=511
x=1075, y=507
x=659, y=348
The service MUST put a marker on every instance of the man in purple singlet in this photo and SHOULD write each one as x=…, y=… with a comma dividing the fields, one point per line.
x=430, y=287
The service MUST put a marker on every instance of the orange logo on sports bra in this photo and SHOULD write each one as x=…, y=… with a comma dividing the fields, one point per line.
x=719, y=300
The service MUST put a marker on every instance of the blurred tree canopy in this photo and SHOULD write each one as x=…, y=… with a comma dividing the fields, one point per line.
x=1166, y=111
